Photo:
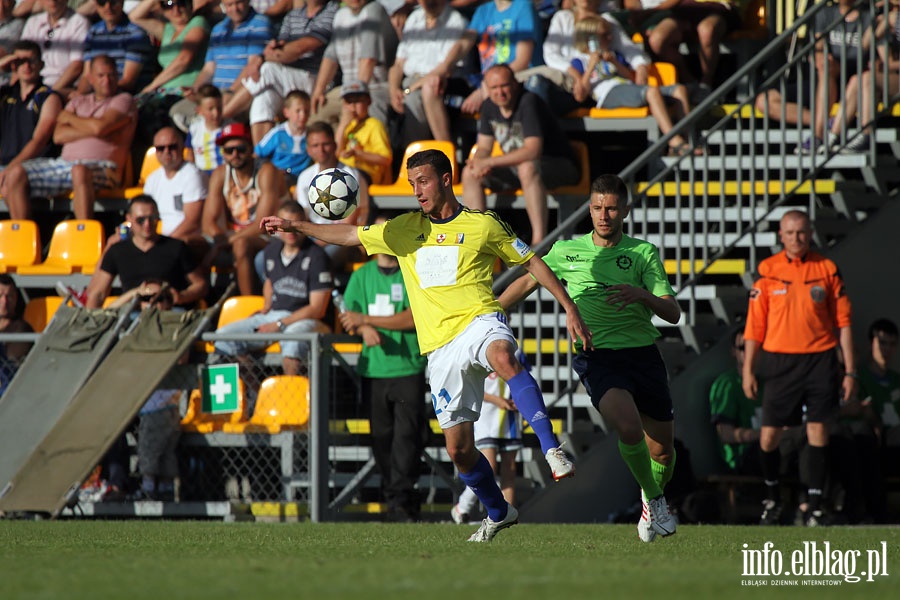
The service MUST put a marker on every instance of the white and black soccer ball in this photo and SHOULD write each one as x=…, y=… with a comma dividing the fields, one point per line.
x=333, y=194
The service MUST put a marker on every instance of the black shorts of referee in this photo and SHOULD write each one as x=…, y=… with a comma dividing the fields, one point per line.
x=640, y=371
x=794, y=382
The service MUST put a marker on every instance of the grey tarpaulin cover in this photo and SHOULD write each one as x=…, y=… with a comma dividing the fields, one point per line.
x=65, y=355
x=102, y=409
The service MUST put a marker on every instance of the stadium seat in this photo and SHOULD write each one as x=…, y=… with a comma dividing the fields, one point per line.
x=150, y=164
x=197, y=421
x=39, y=311
x=20, y=244
x=237, y=308
x=401, y=186
x=282, y=404
x=76, y=247
x=659, y=74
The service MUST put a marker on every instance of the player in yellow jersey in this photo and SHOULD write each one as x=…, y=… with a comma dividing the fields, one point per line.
x=446, y=254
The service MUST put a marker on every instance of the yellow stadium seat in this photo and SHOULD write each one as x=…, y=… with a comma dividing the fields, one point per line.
x=75, y=247
x=109, y=300
x=282, y=404
x=150, y=164
x=39, y=311
x=197, y=421
x=20, y=244
x=237, y=308
x=401, y=186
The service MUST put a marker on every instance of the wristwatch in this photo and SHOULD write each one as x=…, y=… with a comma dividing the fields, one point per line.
x=280, y=325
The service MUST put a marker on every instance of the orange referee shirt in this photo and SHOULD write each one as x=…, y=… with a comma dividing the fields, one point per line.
x=797, y=306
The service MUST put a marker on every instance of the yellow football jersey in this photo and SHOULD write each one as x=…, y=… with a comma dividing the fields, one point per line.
x=447, y=267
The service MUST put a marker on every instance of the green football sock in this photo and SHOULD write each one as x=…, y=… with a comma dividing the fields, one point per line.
x=637, y=457
x=662, y=474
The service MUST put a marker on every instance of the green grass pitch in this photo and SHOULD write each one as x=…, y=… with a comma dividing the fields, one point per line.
x=130, y=560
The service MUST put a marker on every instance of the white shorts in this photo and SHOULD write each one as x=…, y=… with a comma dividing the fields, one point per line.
x=457, y=369
x=275, y=82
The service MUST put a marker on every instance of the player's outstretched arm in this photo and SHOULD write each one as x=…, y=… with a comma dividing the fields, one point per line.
x=338, y=234
x=574, y=323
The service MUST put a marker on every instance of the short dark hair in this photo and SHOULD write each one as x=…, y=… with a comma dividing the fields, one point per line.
x=19, y=309
x=320, y=127
x=298, y=95
x=208, y=90
x=502, y=67
x=435, y=158
x=292, y=206
x=885, y=326
x=28, y=46
x=612, y=185
x=143, y=199
x=104, y=58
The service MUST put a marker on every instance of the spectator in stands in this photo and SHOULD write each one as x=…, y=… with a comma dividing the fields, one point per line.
x=204, y=128
x=498, y=435
x=61, y=32
x=864, y=89
x=159, y=419
x=846, y=45
x=12, y=307
x=422, y=79
x=623, y=373
x=322, y=147
x=28, y=109
x=179, y=189
x=120, y=39
x=399, y=11
x=392, y=373
x=241, y=192
x=604, y=68
x=183, y=38
x=463, y=340
x=144, y=255
x=362, y=47
x=558, y=48
x=734, y=415
x=10, y=33
x=285, y=145
x=706, y=23
x=879, y=393
x=236, y=47
x=292, y=62
x=363, y=142
x=297, y=291
x=535, y=152
x=95, y=132
x=506, y=32
x=795, y=307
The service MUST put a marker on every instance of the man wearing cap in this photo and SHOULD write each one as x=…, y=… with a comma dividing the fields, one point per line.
x=242, y=191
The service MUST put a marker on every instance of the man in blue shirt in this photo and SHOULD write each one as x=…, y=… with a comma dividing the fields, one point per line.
x=236, y=46
x=123, y=41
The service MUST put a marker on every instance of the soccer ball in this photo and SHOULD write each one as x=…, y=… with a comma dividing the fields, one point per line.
x=333, y=194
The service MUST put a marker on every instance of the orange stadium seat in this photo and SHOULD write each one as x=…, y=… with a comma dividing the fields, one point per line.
x=150, y=164
x=39, y=311
x=237, y=308
x=20, y=244
x=401, y=186
x=197, y=421
x=75, y=247
x=282, y=403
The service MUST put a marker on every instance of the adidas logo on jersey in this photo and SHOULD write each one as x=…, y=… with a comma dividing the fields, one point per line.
x=421, y=237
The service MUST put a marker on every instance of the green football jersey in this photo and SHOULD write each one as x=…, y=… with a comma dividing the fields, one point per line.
x=588, y=271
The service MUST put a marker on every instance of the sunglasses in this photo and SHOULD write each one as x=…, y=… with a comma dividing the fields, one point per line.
x=229, y=150
x=142, y=220
x=167, y=147
x=105, y=2
x=166, y=4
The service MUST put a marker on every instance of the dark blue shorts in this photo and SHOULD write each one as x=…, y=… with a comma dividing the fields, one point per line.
x=640, y=371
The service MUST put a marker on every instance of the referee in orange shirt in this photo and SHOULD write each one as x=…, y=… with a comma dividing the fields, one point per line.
x=798, y=313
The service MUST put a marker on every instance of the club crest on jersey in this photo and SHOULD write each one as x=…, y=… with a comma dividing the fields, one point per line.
x=624, y=262
x=440, y=238
x=817, y=293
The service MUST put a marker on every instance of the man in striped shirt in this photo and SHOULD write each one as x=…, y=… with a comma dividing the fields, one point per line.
x=123, y=41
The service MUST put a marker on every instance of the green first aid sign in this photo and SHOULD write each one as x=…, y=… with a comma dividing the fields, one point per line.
x=219, y=385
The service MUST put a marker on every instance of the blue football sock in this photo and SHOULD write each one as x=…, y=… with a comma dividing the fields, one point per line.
x=481, y=480
x=530, y=402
